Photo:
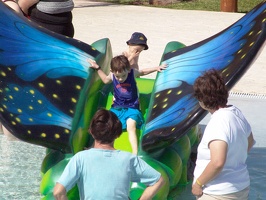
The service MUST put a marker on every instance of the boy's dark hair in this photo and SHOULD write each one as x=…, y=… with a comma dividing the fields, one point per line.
x=105, y=126
x=119, y=64
x=210, y=89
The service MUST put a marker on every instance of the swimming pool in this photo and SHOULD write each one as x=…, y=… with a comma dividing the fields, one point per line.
x=20, y=162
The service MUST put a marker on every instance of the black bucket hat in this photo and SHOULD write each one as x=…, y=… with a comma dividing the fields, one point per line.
x=138, y=39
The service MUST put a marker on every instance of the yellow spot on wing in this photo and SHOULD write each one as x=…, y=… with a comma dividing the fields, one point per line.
x=16, y=88
x=56, y=135
x=73, y=100
x=165, y=105
x=3, y=73
x=43, y=134
x=243, y=56
x=58, y=82
x=179, y=92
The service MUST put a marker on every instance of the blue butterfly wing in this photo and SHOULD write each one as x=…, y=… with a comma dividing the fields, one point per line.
x=42, y=74
x=173, y=110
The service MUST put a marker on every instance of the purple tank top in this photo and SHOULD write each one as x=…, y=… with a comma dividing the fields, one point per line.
x=126, y=93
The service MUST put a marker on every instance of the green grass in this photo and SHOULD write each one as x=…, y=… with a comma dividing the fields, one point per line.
x=243, y=6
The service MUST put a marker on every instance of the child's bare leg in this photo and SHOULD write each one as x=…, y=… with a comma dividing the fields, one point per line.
x=1, y=129
x=8, y=134
x=132, y=134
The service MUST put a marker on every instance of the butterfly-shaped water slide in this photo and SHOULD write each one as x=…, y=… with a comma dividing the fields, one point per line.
x=48, y=94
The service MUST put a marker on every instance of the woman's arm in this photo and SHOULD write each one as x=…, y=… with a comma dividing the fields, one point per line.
x=218, y=150
x=26, y=4
x=14, y=5
x=251, y=141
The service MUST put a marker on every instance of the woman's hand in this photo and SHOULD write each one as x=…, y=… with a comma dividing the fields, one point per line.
x=197, y=190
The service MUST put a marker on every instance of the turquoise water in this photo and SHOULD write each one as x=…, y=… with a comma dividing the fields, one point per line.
x=20, y=162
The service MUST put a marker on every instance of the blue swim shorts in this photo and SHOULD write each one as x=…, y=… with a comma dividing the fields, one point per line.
x=124, y=114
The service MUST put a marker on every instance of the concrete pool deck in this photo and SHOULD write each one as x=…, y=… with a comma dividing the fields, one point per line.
x=96, y=20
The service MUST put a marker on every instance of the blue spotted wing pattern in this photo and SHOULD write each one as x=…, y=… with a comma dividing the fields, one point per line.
x=41, y=76
x=174, y=110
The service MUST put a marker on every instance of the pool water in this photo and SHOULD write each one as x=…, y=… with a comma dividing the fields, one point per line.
x=20, y=162
x=20, y=165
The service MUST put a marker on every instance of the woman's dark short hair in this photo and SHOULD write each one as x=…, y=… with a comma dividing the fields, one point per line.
x=105, y=127
x=120, y=64
x=210, y=89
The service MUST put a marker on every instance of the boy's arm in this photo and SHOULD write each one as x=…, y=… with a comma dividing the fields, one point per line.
x=60, y=192
x=105, y=78
x=131, y=55
x=147, y=71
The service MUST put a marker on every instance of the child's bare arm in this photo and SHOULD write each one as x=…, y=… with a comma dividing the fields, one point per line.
x=105, y=78
x=132, y=55
x=146, y=71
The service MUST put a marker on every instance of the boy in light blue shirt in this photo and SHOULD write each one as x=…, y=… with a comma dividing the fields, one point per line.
x=103, y=172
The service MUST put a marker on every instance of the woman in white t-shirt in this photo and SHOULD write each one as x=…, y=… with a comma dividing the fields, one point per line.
x=221, y=171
